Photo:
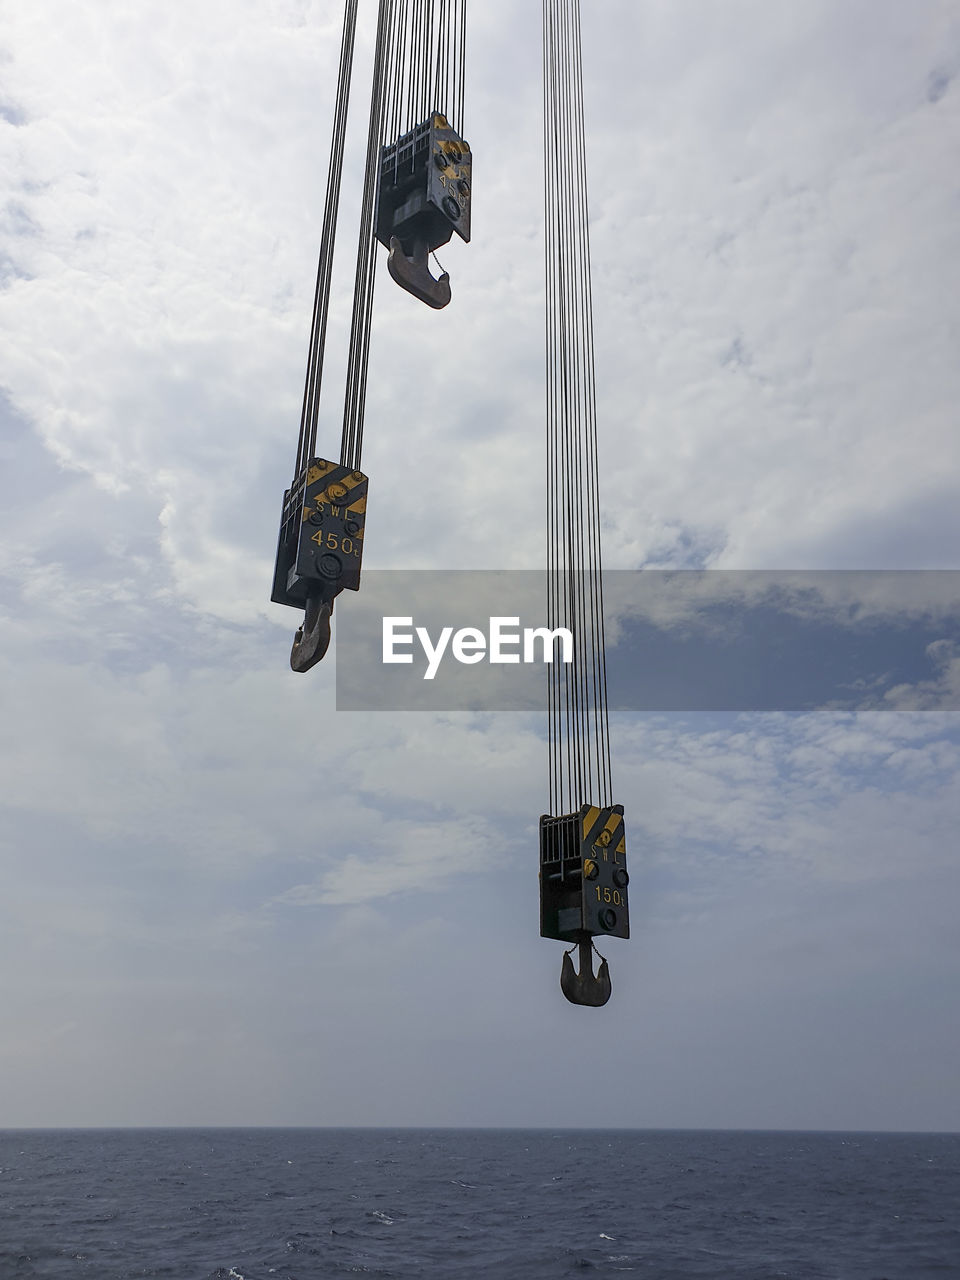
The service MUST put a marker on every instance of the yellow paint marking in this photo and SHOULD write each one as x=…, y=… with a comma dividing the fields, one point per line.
x=611, y=824
x=348, y=484
x=589, y=820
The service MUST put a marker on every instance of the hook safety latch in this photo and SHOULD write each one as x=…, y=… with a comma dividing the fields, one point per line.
x=585, y=987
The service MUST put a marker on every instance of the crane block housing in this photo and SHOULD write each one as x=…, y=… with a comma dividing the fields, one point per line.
x=321, y=534
x=425, y=179
x=583, y=875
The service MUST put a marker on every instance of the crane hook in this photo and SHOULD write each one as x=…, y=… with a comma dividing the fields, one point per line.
x=412, y=273
x=584, y=987
x=313, y=637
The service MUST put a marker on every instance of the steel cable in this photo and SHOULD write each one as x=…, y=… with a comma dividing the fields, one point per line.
x=578, y=728
x=321, y=299
x=420, y=50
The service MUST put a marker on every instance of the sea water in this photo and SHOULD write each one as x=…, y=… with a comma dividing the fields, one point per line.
x=306, y=1204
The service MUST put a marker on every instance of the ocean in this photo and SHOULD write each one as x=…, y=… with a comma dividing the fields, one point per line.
x=306, y=1204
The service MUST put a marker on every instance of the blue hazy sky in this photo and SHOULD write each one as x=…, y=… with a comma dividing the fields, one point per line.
x=224, y=902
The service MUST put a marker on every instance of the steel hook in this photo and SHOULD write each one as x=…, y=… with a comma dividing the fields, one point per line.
x=313, y=637
x=584, y=987
x=412, y=273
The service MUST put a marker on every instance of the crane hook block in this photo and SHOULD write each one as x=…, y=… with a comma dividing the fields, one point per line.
x=583, y=875
x=583, y=891
x=319, y=550
x=424, y=197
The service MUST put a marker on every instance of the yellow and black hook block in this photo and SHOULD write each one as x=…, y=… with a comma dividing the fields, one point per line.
x=424, y=197
x=583, y=891
x=319, y=550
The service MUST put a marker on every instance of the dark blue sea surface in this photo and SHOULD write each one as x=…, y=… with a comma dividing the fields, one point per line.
x=300, y=1204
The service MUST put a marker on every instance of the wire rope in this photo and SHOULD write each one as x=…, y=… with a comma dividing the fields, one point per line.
x=419, y=65
x=321, y=300
x=418, y=68
x=578, y=721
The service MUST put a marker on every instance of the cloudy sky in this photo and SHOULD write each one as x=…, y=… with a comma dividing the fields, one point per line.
x=225, y=902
